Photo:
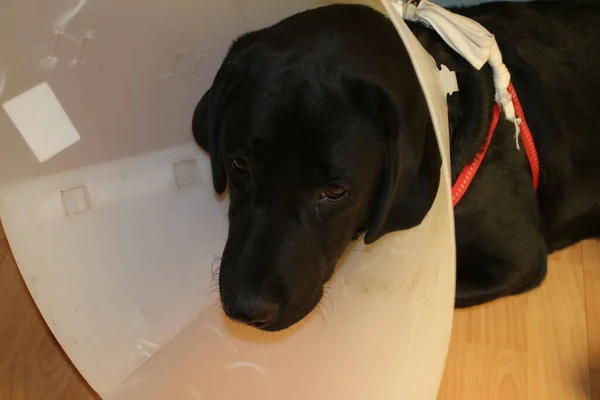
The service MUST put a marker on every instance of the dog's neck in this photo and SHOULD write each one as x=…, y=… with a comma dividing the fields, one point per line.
x=469, y=109
x=470, y=114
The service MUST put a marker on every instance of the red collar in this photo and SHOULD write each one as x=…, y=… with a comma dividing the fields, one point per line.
x=468, y=173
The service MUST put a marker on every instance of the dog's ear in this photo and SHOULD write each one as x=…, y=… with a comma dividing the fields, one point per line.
x=411, y=168
x=207, y=125
x=200, y=121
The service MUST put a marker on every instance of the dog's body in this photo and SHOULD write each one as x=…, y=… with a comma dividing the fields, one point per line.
x=504, y=229
x=326, y=104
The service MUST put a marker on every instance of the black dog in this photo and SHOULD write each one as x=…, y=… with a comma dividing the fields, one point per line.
x=320, y=130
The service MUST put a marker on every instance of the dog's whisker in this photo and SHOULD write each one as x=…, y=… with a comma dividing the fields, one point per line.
x=208, y=290
x=319, y=312
x=213, y=290
x=216, y=264
x=329, y=299
x=213, y=286
x=214, y=269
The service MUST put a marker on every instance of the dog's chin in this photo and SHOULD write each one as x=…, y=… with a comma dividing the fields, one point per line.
x=297, y=312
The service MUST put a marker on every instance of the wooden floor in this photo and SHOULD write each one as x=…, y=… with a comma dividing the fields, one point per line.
x=32, y=365
x=544, y=345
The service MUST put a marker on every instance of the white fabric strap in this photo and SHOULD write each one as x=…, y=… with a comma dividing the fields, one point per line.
x=469, y=39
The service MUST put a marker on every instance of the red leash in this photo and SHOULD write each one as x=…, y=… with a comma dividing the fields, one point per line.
x=468, y=173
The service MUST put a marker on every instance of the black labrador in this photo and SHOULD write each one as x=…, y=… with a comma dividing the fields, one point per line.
x=320, y=131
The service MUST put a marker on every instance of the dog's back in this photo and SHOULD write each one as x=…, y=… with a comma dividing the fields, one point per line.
x=552, y=49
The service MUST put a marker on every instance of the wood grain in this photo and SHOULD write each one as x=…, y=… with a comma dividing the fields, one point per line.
x=533, y=346
x=32, y=364
x=591, y=273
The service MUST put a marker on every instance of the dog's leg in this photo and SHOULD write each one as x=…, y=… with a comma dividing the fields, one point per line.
x=482, y=277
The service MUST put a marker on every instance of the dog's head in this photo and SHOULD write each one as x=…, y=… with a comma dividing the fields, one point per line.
x=319, y=128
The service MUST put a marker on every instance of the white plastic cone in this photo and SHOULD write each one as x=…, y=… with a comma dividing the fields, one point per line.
x=115, y=232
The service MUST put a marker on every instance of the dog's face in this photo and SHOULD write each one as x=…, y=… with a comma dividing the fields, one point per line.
x=320, y=135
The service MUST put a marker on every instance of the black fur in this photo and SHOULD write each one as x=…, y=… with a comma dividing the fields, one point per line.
x=328, y=98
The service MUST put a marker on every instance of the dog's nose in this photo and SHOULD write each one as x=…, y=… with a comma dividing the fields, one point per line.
x=250, y=309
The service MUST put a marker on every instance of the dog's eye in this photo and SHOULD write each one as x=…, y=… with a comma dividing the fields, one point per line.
x=239, y=164
x=333, y=192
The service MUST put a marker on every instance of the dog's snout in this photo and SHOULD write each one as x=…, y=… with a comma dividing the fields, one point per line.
x=250, y=309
